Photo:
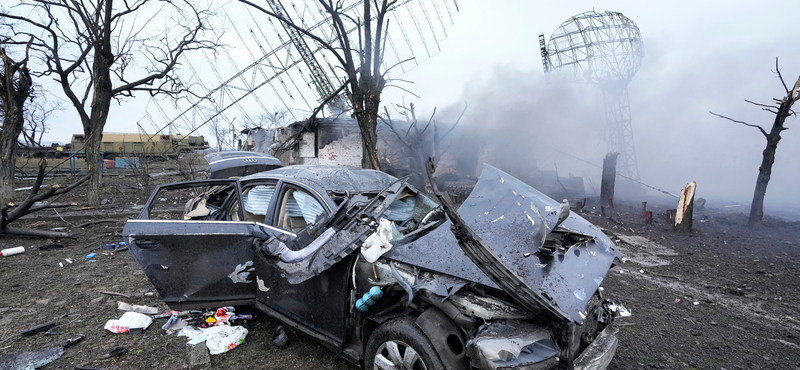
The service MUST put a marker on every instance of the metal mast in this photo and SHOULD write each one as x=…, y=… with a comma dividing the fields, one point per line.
x=321, y=82
x=543, y=49
x=619, y=136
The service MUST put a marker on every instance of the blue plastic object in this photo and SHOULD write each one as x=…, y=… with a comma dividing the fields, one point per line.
x=361, y=306
x=369, y=298
x=376, y=292
x=91, y=255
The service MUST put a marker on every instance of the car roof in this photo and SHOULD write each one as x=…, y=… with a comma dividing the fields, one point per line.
x=336, y=178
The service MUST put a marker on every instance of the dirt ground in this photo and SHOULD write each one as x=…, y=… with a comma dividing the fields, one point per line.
x=722, y=297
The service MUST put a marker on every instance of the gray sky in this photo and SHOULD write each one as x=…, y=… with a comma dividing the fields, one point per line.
x=700, y=56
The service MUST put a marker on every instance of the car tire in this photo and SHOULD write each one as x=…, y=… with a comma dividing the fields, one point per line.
x=400, y=344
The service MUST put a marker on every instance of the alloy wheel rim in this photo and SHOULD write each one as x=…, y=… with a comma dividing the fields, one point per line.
x=397, y=355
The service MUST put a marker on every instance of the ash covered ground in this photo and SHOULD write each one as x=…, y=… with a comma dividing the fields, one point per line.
x=724, y=296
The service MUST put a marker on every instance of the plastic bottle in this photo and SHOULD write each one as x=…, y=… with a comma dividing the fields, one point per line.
x=12, y=251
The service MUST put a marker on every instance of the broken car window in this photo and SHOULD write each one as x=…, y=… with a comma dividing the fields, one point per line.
x=298, y=209
x=256, y=201
x=191, y=203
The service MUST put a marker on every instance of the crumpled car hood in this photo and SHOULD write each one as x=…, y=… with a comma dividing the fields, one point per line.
x=513, y=219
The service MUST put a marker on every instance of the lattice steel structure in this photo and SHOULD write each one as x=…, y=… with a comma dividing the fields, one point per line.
x=298, y=72
x=603, y=49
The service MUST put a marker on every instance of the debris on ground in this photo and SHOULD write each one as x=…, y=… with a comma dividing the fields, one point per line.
x=130, y=322
x=124, y=306
x=12, y=251
x=30, y=360
x=38, y=329
x=279, y=337
x=119, y=351
x=48, y=247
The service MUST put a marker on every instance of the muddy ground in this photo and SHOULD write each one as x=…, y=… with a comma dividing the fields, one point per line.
x=722, y=297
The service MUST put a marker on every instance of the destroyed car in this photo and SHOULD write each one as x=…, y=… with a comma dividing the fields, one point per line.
x=383, y=275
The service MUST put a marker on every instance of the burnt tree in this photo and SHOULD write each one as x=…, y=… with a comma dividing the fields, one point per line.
x=360, y=58
x=781, y=109
x=16, y=86
x=607, y=183
x=96, y=52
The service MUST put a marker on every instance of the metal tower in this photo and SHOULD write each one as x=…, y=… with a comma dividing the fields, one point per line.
x=280, y=62
x=606, y=50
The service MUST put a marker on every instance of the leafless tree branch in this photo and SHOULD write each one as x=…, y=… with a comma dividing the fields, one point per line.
x=742, y=122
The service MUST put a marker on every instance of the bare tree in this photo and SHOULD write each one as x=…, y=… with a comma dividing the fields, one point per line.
x=34, y=202
x=16, y=86
x=782, y=109
x=36, y=116
x=98, y=51
x=361, y=61
x=419, y=142
x=220, y=132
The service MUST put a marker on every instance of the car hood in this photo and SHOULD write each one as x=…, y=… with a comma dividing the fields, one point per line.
x=514, y=219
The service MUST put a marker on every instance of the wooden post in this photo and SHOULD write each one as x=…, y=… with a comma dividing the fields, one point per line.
x=648, y=217
x=683, y=216
x=607, y=184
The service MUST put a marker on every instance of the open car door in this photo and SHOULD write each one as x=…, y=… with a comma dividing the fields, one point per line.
x=191, y=245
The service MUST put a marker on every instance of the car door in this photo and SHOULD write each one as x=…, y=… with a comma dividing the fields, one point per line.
x=317, y=303
x=314, y=292
x=194, y=241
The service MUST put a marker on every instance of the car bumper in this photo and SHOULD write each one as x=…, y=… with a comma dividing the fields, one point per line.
x=599, y=354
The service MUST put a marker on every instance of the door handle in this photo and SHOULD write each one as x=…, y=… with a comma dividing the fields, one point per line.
x=146, y=244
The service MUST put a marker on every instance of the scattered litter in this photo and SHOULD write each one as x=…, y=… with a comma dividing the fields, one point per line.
x=52, y=331
x=109, y=246
x=677, y=300
x=119, y=351
x=124, y=306
x=526, y=254
x=69, y=260
x=114, y=293
x=48, y=247
x=60, y=264
x=695, y=303
x=198, y=339
x=219, y=339
x=12, y=251
x=279, y=337
x=38, y=329
x=91, y=255
x=30, y=360
x=641, y=271
x=174, y=324
x=73, y=340
x=129, y=322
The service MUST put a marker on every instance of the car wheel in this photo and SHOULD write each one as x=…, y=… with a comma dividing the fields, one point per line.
x=399, y=344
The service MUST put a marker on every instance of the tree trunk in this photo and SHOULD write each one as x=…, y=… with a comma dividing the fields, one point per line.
x=773, y=137
x=367, y=119
x=12, y=126
x=101, y=102
x=15, y=88
x=684, y=213
x=607, y=183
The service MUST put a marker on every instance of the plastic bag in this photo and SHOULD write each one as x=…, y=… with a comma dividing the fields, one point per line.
x=224, y=338
x=129, y=320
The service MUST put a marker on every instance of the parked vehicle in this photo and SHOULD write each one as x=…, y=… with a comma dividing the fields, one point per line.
x=367, y=265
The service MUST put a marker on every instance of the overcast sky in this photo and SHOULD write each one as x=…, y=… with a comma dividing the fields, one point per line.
x=700, y=56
